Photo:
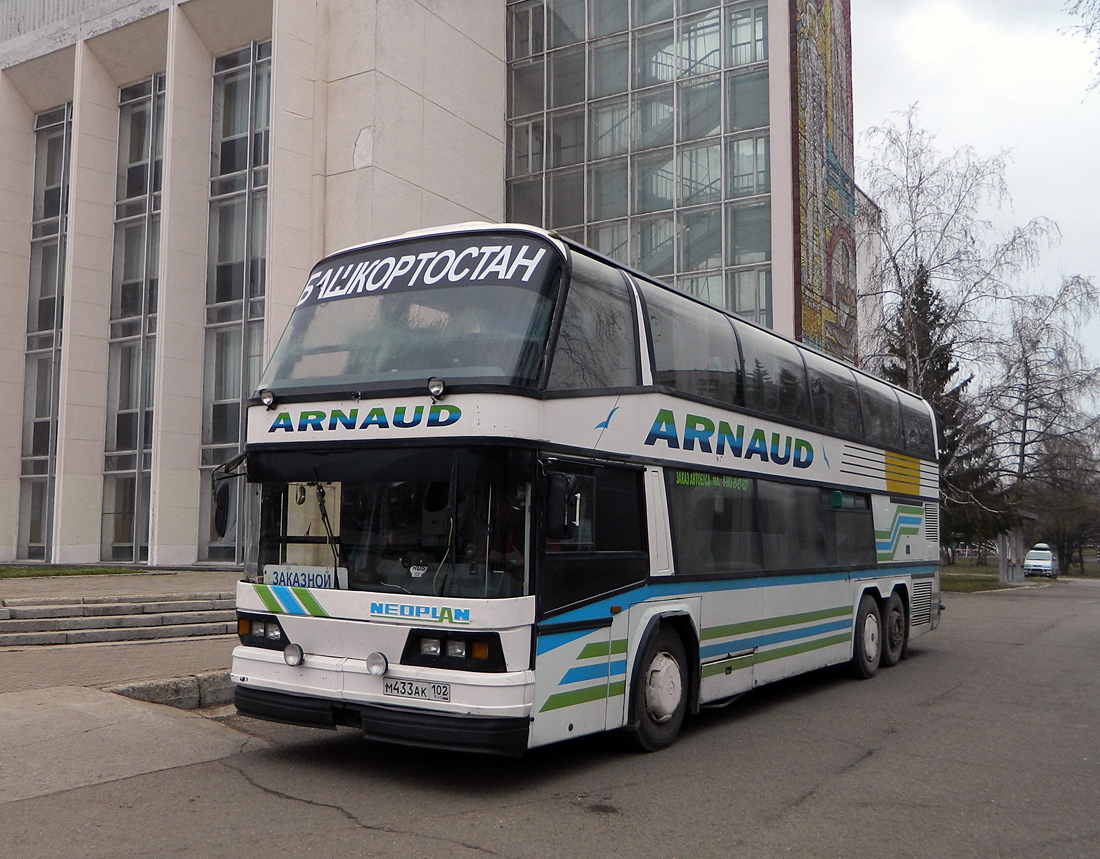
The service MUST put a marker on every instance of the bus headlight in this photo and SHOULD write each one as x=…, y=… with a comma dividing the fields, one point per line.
x=464, y=651
x=292, y=655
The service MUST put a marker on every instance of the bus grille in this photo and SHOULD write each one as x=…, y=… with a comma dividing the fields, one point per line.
x=920, y=611
x=932, y=523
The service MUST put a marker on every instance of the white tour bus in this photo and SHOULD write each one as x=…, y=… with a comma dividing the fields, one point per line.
x=502, y=491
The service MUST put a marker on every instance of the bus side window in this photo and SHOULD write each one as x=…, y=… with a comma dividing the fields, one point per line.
x=694, y=347
x=775, y=375
x=920, y=437
x=881, y=413
x=596, y=346
x=834, y=395
x=602, y=545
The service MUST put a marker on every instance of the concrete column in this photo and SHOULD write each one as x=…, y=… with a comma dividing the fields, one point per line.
x=82, y=413
x=16, y=190
x=177, y=403
x=295, y=193
x=784, y=173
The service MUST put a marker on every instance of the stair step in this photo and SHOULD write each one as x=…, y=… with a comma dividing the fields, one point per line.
x=138, y=633
x=40, y=610
x=62, y=624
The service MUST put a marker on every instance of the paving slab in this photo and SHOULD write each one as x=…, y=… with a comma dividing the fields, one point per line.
x=68, y=737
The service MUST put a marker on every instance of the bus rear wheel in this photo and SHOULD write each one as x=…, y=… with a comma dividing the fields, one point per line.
x=659, y=692
x=867, y=647
x=895, y=631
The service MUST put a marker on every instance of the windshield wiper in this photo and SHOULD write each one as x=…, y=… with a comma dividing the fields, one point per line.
x=328, y=529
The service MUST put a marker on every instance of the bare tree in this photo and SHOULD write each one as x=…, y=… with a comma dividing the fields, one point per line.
x=1089, y=13
x=934, y=219
x=1043, y=388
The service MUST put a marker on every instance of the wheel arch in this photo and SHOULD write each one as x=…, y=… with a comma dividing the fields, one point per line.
x=682, y=623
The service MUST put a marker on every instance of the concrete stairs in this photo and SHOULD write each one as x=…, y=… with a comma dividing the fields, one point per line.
x=88, y=620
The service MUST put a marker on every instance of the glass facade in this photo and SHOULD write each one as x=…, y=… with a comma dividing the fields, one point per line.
x=43, y=348
x=132, y=349
x=236, y=272
x=641, y=128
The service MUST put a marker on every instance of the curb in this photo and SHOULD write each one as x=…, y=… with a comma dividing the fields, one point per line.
x=190, y=692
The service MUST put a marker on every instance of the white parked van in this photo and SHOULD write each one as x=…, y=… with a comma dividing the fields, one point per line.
x=1040, y=561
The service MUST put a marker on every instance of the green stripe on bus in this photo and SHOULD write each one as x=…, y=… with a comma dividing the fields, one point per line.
x=309, y=603
x=268, y=598
x=720, y=667
x=803, y=647
x=577, y=696
x=602, y=648
x=732, y=629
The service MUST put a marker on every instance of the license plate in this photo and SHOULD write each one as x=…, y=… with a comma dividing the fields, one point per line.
x=417, y=689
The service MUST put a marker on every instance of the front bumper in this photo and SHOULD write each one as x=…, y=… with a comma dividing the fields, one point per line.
x=503, y=736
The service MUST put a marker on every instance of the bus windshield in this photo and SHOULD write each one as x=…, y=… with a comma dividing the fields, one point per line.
x=472, y=308
x=429, y=522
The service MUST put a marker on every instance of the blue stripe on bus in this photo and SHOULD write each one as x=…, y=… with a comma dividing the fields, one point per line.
x=596, y=671
x=559, y=639
x=760, y=641
x=288, y=600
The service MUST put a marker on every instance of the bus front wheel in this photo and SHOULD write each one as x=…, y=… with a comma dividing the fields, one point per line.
x=659, y=691
x=867, y=648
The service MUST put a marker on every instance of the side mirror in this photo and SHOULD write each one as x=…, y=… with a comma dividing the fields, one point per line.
x=560, y=521
x=221, y=508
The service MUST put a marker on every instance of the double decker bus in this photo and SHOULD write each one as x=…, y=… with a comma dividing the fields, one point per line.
x=502, y=491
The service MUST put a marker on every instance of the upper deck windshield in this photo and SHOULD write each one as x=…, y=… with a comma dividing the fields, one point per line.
x=473, y=307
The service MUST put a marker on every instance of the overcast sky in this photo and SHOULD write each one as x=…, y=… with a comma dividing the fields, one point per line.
x=995, y=74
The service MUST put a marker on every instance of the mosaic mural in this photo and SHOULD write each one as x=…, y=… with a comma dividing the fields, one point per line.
x=826, y=315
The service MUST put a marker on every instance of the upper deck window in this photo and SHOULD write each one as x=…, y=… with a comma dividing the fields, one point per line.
x=466, y=308
x=596, y=346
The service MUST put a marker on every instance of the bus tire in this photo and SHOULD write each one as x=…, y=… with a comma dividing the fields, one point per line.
x=659, y=691
x=867, y=644
x=895, y=631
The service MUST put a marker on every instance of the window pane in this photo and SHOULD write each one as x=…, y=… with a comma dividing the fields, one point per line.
x=881, y=413
x=567, y=77
x=701, y=45
x=611, y=240
x=694, y=347
x=749, y=166
x=607, y=16
x=651, y=11
x=654, y=57
x=566, y=198
x=527, y=87
x=608, y=188
x=834, y=395
x=654, y=182
x=656, y=118
x=655, y=245
x=701, y=177
x=748, y=35
x=747, y=100
x=596, y=346
x=750, y=233
x=525, y=202
x=791, y=524
x=700, y=109
x=567, y=138
x=713, y=522
x=750, y=295
x=566, y=22
x=775, y=377
x=701, y=240
x=610, y=131
x=609, y=68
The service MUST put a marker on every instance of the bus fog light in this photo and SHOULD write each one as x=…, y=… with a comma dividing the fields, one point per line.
x=292, y=655
x=429, y=647
x=377, y=664
x=456, y=648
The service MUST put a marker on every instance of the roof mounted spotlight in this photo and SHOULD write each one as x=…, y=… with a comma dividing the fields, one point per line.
x=267, y=398
x=436, y=387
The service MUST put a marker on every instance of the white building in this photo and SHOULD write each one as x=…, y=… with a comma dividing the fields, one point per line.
x=169, y=172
